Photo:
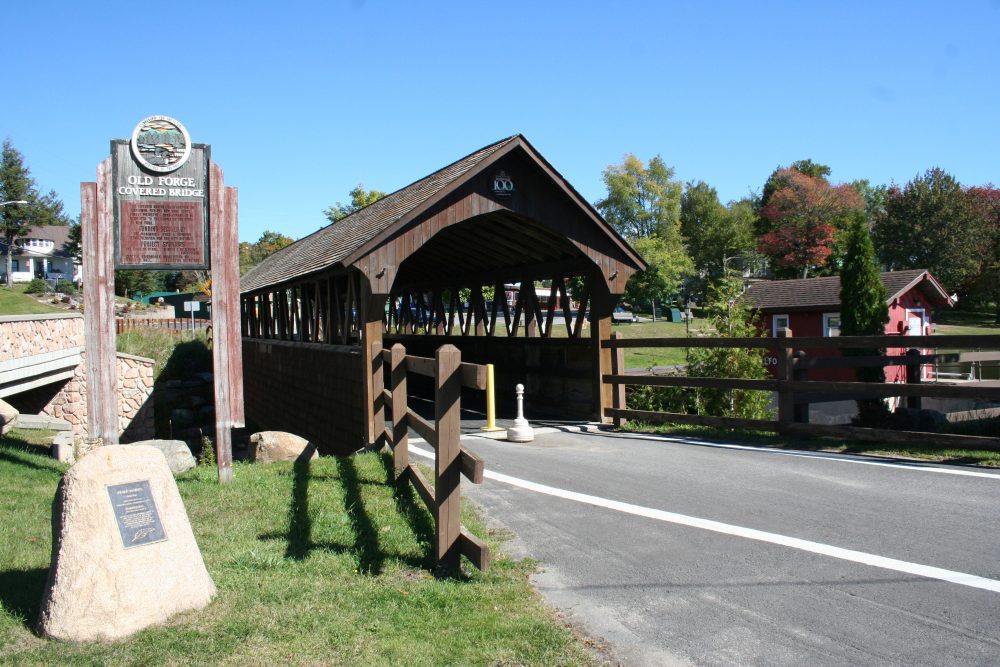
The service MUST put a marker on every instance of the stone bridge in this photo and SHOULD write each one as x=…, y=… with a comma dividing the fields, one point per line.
x=43, y=371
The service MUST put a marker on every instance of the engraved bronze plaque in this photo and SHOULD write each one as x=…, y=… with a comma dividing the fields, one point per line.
x=135, y=511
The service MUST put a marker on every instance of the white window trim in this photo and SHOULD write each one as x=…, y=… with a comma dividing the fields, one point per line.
x=774, y=323
x=826, y=323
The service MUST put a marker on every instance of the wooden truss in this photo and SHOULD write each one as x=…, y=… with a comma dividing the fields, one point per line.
x=444, y=311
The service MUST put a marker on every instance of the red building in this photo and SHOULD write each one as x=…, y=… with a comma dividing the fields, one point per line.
x=811, y=307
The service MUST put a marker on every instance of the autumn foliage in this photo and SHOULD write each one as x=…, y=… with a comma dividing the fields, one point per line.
x=805, y=213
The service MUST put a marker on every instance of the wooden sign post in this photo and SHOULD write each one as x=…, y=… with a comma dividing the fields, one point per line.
x=160, y=203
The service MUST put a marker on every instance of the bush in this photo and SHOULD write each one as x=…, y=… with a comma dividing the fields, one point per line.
x=65, y=286
x=36, y=286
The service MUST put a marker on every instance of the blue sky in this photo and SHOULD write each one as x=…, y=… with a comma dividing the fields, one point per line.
x=302, y=101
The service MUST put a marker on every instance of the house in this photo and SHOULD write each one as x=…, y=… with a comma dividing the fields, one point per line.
x=811, y=307
x=42, y=253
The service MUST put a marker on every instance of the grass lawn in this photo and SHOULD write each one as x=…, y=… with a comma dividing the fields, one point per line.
x=645, y=357
x=759, y=439
x=14, y=301
x=318, y=564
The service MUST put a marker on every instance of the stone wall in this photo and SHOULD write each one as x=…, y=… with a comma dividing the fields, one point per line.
x=312, y=390
x=135, y=404
x=26, y=335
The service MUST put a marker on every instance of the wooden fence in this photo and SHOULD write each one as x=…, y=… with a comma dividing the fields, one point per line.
x=176, y=325
x=451, y=460
x=794, y=390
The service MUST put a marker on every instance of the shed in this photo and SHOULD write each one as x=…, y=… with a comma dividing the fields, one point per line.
x=418, y=267
x=811, y=307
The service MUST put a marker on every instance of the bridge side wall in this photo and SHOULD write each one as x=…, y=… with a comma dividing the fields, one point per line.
x=313, y=390
x=26, y=335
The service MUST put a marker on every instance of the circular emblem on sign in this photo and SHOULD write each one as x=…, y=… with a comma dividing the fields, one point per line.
x=503, y=186
x=160, y=143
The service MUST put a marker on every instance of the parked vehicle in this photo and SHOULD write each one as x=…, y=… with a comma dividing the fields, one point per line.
x=620, y=314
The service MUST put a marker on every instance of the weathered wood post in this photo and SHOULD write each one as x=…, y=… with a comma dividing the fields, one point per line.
x=786, y=396
x=801, y=411
x=618, y=368
x=447, y=471
x=913, y=377
x=97, y=225
x=400, y=429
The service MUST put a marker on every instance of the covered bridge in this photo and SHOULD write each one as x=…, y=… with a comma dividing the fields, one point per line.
x=419, y=267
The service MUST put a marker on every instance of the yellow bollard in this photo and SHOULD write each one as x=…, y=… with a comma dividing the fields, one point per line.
x=491, y=408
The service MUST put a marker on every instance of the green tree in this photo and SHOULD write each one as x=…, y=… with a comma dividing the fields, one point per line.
x=985, y=202
x=129, y=282
x=863, y=311
x=716, y=234
x=252, y=254
x=668, y=265
x=359, y=199
x=642, y=201
x=930, y=223
x=16, y=184
x=729, y=318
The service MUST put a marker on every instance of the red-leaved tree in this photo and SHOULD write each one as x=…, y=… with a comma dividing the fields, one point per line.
x=805, y=213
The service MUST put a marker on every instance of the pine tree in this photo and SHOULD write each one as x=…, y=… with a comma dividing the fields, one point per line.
x=863, y=310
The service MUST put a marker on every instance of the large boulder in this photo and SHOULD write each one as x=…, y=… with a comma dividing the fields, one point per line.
x=123, y=553
x=178, y=454
x=271, y=446
x=8, y=417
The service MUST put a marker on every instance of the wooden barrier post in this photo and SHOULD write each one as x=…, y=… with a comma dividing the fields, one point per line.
x=447, y=471
x=913, y=377
x=618, y=390
x=400, y=429
x=786, y=396
x=801, y=410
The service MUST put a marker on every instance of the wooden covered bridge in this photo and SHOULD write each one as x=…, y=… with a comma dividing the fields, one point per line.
x=418, y=267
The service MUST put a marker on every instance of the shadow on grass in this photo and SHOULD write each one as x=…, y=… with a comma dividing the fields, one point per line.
x=21, y=593
x=370, y=558
x=365, y=546
x=411, y=508
x=11, y=447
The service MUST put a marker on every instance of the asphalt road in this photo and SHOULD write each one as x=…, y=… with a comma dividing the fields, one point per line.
x=675, y=574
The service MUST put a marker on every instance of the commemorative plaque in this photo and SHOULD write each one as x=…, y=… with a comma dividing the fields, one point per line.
x=135, y=511
x=160, y=188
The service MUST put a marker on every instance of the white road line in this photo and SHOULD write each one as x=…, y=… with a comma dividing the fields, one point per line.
x=906, y=567
x=838, y=458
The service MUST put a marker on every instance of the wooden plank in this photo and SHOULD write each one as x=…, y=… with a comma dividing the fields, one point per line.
x=895, y=360
x=423, y=427
x=819, y=342
x=423, y=487
x=472, y=466
x=892, y=436
x=700, y=420
x=447, y=477
x=618, y=391
x=964, y=390
x=473, y=375
x=684, y=381
x=475, y=550
x=97, y=225
x=398, y=407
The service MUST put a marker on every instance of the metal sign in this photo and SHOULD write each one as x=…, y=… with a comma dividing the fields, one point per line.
x=192, y=306
x=135, y=511
x=160, y=188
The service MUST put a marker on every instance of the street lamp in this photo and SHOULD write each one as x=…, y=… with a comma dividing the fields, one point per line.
x=13, y=201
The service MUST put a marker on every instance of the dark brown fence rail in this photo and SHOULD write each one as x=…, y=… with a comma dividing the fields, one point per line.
x=451, y=460
x=793, y=390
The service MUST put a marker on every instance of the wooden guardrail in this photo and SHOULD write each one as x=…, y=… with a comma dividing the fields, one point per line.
x=451, y=460
x=794, y=390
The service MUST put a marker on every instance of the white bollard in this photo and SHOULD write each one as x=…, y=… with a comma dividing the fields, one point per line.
x=521, y=431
